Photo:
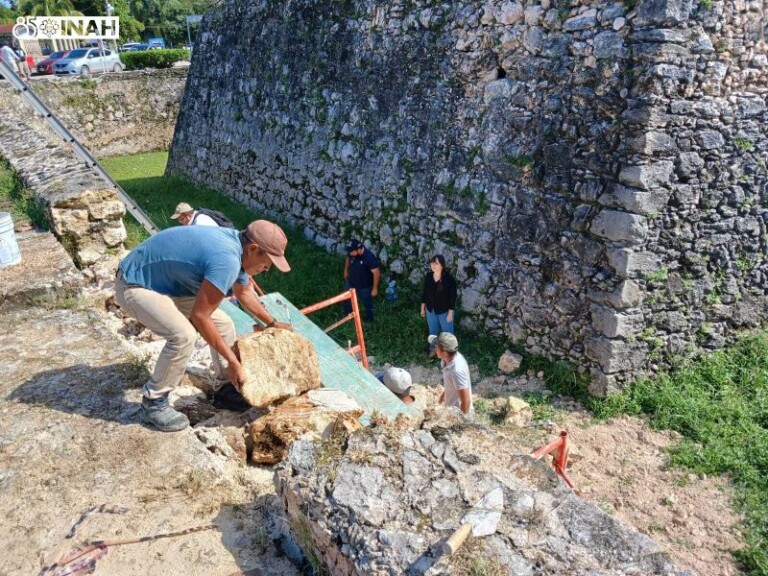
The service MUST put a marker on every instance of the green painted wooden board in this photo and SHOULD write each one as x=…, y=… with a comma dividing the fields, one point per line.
x=338, y=369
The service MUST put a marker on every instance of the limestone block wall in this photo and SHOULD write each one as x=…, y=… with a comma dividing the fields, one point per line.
x=591, y=170
x=117, y=114
x=85, y=214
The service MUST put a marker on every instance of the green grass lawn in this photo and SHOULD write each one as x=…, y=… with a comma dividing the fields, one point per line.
x=18, y=201
x=397, y=336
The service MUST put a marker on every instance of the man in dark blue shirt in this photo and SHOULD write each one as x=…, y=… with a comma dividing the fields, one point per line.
x=361, y=272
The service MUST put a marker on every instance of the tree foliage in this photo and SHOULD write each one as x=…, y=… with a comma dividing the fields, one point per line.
x=167, y=18
x=48, y=8
x=139, y=19
x=7, y=15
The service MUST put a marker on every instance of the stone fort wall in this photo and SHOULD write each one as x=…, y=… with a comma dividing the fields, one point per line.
x=594, y=172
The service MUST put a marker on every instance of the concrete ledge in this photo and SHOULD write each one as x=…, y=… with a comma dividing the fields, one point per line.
x=85, y=214
x=45, y=275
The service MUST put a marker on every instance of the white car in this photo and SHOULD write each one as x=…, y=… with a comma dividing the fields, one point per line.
x=87, y=61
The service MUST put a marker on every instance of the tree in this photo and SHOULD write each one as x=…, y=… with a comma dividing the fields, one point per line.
x=7, y=15
x=48, y=8
x=167, y=18
x=130, y=28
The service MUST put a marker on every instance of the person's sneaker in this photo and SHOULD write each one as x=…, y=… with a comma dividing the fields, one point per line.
x=158, y=413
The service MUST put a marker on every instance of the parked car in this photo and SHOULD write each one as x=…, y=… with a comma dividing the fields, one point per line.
x=141, y=47
x=46, y=66
x=128, y=46
x=87, y=61
x=159, y=42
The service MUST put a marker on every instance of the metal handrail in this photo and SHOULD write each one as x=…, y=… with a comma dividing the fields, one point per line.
x=350, y=295
x=80, y=151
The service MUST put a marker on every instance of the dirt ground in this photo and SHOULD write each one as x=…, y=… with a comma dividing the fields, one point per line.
x=622, y=466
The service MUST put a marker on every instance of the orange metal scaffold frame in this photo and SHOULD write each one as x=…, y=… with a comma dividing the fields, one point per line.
x=350, y=295
x=559, y=448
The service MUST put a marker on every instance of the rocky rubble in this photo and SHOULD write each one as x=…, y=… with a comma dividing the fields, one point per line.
x=317, y=415
x=381, y=500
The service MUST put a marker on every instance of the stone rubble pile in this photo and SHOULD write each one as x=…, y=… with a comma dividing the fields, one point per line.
x=381, y=500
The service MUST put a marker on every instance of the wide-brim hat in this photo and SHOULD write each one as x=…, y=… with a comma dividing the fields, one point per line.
x=182, y=208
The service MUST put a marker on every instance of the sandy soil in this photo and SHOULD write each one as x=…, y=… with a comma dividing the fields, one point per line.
x=622, y=466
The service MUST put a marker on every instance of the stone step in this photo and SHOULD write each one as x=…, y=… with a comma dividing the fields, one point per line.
x=46, y=275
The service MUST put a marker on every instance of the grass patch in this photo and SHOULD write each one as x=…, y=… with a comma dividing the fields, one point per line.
x=399, y=334
x=19, y=201
x=57, y=301
x=720, y=406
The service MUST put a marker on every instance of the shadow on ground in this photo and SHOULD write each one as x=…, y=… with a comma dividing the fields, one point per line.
x=249, y=532
x=96, y=392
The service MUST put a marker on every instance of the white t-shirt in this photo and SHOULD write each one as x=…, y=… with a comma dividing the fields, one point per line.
x=8, y=55
x=456, y=377
x=203, y=220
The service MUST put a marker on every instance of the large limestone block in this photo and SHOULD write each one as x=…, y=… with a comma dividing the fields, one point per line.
x=317, y=415
x=509, y=362
x=519, y=412
x=278, y=364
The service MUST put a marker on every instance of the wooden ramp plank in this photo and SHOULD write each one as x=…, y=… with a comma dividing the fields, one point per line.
x=338, y=369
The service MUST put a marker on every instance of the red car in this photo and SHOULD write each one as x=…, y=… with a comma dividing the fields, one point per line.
x=46, y=66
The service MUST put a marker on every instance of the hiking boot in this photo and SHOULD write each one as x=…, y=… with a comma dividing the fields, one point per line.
x=158, y=413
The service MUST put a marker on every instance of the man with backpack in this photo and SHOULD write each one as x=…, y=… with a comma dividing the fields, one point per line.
x=188, y=216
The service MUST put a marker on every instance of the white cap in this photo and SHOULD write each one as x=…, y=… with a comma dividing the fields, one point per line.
x=398, y=380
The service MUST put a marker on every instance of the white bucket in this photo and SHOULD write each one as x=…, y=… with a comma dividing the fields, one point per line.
x=9, y=249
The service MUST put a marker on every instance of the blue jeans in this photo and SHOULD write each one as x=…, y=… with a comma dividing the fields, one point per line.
x=439, y=323
x=364, y=300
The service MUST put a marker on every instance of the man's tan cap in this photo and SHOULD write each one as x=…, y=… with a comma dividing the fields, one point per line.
x=271, y=238
x=182, y=208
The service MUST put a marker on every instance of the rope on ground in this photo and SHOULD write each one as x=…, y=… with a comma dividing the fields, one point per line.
x=82, y=559
x=103, y=508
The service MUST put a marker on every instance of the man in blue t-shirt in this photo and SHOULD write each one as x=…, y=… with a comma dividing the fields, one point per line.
x=361, y=272
x=173, y=284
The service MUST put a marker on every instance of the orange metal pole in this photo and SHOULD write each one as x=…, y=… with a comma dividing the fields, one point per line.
x=352, y=296
x=325, y=303
x=335, y=325
x=559, y=458
x=256, y=287
x=359, y=328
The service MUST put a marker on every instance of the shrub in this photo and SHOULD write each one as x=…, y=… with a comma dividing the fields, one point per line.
x=153, y=58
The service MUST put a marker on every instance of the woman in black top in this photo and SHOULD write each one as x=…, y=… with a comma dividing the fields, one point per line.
x=438, y=301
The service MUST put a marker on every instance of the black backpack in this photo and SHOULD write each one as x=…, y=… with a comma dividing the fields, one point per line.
x=217, y=217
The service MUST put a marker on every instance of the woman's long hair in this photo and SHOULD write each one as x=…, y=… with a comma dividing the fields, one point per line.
x=440, y=259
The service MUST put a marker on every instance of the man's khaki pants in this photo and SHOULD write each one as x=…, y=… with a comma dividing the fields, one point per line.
x=168, y=317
